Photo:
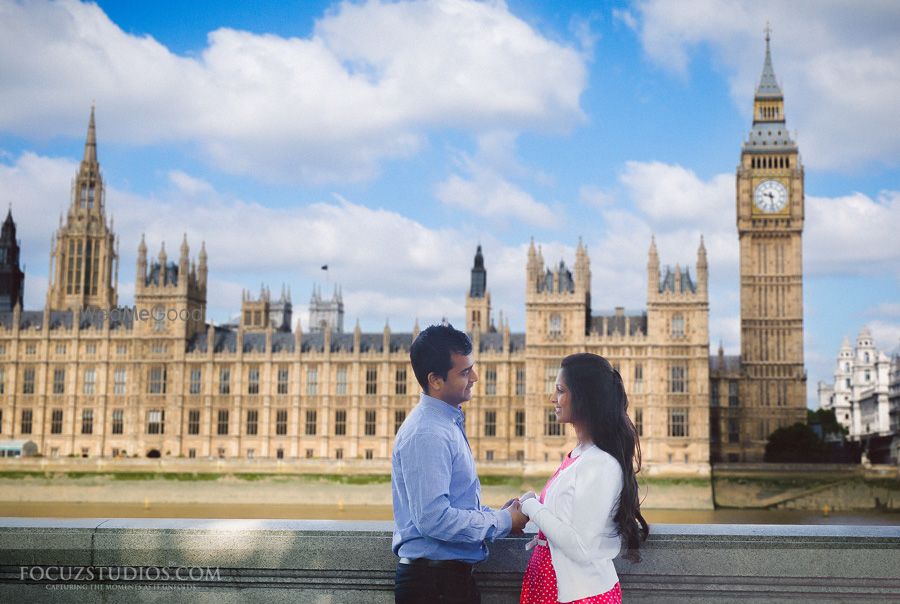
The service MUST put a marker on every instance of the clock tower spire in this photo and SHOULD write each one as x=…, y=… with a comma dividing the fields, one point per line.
x=770, y=213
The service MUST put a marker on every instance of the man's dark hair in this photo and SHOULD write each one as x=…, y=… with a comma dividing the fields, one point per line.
x=430, y=352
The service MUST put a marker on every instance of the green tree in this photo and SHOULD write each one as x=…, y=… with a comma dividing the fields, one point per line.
x=795, y=444
x=828, y=420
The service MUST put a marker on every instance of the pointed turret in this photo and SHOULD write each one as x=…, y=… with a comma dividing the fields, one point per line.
x=702, y=270
x=479, y=276
x=582, y=269
x=768, y=85
x=652, y=270
x=85, y=260
x=9, y=226
x=90, y=143
x=142, y=262
x=532, y=269
x=12, y=278
x=478, y=302
x=202, y=268
x=183, y=260
x=769, y=132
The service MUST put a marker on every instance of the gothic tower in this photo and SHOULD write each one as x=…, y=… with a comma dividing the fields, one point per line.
x=325, y=313
x=84, y=260
x=478, y=302
x=170, y=297
x=678, y=354
x=770, y=210
x=12, y=279
x=557, y=302
x=255, y=312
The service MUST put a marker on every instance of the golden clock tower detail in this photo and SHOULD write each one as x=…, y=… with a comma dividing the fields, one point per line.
x=770, y=228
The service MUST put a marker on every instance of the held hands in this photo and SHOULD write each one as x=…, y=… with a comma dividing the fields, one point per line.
x=519, y=520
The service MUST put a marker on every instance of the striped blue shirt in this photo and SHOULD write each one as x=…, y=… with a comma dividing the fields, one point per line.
x=436, y=492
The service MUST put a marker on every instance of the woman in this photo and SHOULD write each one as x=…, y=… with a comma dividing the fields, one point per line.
x=589, y=509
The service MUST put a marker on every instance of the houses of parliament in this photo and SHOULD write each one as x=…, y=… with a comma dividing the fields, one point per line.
x=84, y=376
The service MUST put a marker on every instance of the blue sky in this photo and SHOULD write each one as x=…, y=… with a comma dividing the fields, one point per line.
x=388, y=139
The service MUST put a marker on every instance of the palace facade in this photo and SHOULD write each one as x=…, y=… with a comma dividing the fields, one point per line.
x=86, y=377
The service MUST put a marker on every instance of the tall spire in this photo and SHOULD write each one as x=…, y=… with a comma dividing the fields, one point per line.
x=479, y=276
x=769, y=132
x=90, y=143
x=768, y=85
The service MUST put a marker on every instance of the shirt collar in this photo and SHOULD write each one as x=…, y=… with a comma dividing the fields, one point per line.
x=441, y=408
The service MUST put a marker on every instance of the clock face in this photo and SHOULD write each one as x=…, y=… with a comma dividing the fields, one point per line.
x=770, y=196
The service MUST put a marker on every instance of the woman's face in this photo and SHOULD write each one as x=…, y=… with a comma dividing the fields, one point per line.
x=562, y=400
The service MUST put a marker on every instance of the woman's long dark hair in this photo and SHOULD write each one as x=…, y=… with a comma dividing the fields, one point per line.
x=600, y=404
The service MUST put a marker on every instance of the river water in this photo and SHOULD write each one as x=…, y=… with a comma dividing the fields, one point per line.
x=383, y=512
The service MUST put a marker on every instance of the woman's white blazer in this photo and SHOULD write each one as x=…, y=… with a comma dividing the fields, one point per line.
x=577, y=520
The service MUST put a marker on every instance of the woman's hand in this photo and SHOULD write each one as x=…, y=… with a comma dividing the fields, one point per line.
x=527, y=496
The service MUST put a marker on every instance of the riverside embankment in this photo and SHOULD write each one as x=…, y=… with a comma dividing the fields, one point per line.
x=749, y=487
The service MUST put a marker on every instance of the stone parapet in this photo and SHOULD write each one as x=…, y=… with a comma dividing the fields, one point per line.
x=226, y=561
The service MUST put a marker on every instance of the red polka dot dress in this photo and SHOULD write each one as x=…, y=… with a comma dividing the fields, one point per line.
x=539, y=584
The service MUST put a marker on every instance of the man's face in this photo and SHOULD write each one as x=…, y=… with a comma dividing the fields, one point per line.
x=457, y=388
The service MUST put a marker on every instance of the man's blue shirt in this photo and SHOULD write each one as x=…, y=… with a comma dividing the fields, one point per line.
x=436, y=492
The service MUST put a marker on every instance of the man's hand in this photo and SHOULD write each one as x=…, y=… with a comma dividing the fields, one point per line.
x=509, y=503
x=519, y=520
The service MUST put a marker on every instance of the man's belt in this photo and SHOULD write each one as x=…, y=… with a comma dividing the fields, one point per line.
x=455, y=564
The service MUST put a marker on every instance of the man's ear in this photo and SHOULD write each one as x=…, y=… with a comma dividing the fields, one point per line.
x=435, y=382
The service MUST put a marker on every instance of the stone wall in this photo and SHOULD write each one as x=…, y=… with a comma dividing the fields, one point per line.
x=327, y=562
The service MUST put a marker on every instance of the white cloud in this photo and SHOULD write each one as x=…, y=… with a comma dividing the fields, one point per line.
x=363, y=88
x=595, y=196
x=625, y=17
x=670, y=195
x=886, y=336
x=389, y=266
x=188, y=184
x=488, y=194
x=838, y=62
x=854, y=234
x=485, y=191
x=887, y=309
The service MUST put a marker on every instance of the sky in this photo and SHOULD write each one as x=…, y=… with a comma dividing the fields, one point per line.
x=387, y=140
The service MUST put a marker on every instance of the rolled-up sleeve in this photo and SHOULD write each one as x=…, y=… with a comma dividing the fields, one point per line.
x=426, y=463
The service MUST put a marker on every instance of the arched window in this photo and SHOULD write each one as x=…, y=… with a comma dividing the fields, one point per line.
x=159, y=318
x=554, y=328
x=678, y=326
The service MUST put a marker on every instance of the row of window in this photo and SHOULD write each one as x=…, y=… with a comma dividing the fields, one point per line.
x=90, y=348
x=677, y=378
x=677, y=425
x=157, y=381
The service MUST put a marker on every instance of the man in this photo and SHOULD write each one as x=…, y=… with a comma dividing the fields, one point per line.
x=440, y=526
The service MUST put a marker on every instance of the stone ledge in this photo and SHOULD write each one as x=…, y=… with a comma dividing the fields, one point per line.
x=336, y=561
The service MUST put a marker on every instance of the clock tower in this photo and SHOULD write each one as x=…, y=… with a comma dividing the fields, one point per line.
x=770, y=207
